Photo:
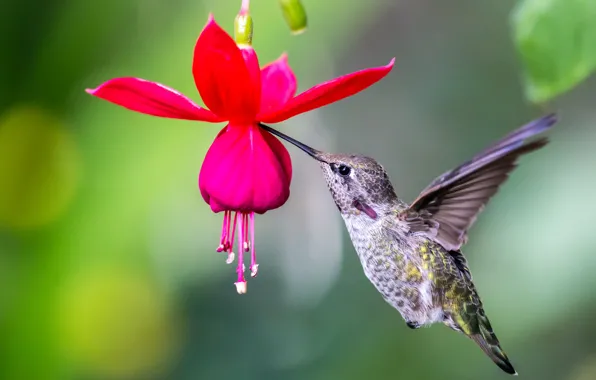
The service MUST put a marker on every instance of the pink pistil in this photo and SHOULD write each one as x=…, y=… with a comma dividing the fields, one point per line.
x=241, y=283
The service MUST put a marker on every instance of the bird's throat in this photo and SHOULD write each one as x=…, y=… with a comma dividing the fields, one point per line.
x=363, y=207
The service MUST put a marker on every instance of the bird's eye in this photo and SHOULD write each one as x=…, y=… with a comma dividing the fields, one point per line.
x=344, y=170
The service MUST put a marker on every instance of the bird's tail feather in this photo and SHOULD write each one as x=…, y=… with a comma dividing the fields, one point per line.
x=488, y=342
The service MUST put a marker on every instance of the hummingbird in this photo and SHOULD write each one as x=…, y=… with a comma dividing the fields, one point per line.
x=412, y=253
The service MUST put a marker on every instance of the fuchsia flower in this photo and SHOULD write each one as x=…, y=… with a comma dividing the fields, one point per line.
x=246, y=169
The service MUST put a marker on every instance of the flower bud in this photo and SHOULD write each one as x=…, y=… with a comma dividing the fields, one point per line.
x=294, y=14
x=243, y=28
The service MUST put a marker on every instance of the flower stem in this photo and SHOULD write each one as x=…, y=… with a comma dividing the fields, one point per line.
x=244, y=7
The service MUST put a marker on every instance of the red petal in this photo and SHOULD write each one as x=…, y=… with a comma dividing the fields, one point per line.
x=246, y=169
x=278, y=85
x=328, y=92
x=152, y=99
x=221, y=75
x=254, y=72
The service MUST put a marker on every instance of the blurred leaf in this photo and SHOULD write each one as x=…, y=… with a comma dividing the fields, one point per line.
x=39, y=168
x=586, y=370
x=64, y=58
x=22, y=33
x=118, y=325
x=557, y=43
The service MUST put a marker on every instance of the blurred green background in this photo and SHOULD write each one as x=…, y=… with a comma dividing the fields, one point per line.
x=107, y=262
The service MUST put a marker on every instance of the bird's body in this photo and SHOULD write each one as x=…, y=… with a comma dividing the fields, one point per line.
x=415, y=274
x=411, y=253
x=409, y=271
x=425, y=282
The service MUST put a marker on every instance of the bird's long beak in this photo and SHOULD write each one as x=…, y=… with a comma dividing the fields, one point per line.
x=317, y=155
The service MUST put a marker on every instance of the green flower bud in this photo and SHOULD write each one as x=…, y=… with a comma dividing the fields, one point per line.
x=294, y=14
x=243, y=28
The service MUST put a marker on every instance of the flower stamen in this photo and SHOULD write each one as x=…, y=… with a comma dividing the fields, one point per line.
x=254, y=267
x=246, y=243
x=230, y=247
x=225, y=232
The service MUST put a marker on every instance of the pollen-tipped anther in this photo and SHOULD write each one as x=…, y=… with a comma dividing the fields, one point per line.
x=254, y=270
x=241, y=287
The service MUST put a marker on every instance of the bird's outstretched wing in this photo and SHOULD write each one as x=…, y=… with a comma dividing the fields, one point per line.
x=448, y=207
